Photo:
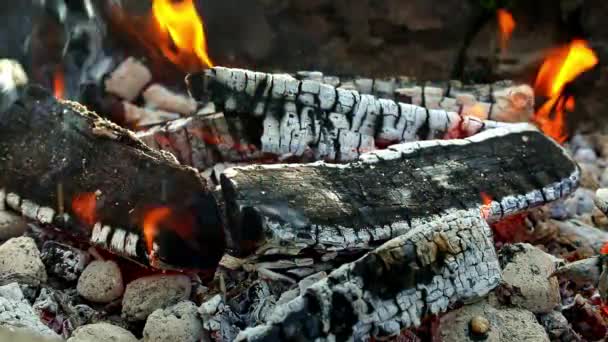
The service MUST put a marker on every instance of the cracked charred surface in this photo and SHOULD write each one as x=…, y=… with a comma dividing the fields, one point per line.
x=308, y=118
x=51, y=152
x=449, y=259
x=332, y=207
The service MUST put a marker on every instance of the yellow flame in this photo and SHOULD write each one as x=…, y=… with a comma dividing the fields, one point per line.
x=186, y=34
x=506, y=25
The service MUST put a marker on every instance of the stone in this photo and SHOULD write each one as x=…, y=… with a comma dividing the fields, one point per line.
x=505, y=324
x=526, y=281
x=101, y=282
x=179, y=322
x=590, y=175
x=480, y=326
x=144, y=295
x=16, y=312
x=585, y=155
x=601, y=199
x=11, y=225
x=20, y=260
x=63, y=261
x=102, y=332
x=580, y=202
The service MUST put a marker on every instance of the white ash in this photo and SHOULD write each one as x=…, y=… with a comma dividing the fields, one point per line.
x=144, y=295
x=101, y=282
x=12, y=77
x=179, y=322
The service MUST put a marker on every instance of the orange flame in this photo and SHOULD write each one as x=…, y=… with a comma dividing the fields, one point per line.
x=561, y=67
x=182, y=34
x=486, y=201
x=84, y=206
x=152, y=220
x=506, y=25
x=58, y=83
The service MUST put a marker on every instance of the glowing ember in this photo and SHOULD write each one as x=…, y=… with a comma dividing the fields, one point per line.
x=604, y=249
x=506, y=25
x=84, y=206
x=152, y=220
x=561, y=67
x=486, y=200
x=182, y=34
x=58, y=83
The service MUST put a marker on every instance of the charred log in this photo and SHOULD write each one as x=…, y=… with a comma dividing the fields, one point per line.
x=65, y=166
x=389, y=192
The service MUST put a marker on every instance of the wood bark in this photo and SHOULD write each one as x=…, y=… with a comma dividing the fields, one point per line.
x=55, y=154
x=389, y=192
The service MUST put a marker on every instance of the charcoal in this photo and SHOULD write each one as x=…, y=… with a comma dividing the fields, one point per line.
x=389, y=192
x=63, y=261
x=58, y=155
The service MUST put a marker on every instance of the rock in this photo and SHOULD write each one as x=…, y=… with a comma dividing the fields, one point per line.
x=176, y=323
x=20, y=335
x=557, y=327
x=20, y=259
x=601, y=199
x=526, y=281
x=101, y=282
x=480, y=326
x=505, y=324
x=590, y=175
x=63, y=261
x=580, y=202
x=585, y=155
x=16, y=312
x=144, y=295
x=11, y=225
x=102, y=332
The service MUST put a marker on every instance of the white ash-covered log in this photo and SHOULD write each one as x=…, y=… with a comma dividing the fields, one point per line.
x=65, y=166
x=332, y=207
x=307, y=117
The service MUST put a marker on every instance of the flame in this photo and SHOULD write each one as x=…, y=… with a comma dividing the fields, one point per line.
x=84, y=206
x=152, y=220
x=561, y=67
x=486, y=201
x=58, y=83
x=506, y=25
x=181, y=33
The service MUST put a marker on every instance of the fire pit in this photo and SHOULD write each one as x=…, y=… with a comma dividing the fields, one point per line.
x=148, y=192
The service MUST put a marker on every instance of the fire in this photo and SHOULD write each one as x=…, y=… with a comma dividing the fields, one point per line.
x=561, y=67
x=58, y=83
x=84, y=206
x=152, y=220
x=182, y=33
x=486, y=201
x=506, y=25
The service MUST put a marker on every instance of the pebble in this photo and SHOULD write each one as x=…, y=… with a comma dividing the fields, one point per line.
x=601, y=199
x=63, y=261
x=16, y=312
x=144, y=295
x=102, y=332
x=179, y=322
x=20, y=260
x=11, y=225
x=480, y=325
x=503, y=325
x=526, y=281
x=101, y=282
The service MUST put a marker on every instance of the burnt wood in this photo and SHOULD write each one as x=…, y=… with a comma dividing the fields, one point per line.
x=389, y=192
x=56, y=153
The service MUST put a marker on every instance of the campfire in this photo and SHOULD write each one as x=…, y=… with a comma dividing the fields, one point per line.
x=154, y=187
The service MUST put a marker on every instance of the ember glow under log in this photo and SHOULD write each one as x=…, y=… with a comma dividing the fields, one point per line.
x=65, y=166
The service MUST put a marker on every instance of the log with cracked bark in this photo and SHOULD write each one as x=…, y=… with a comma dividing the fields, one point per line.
x=388, y=192
x=65, y=166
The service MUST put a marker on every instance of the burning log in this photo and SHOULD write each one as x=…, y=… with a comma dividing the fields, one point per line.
x=157, y=96
x=310, y=118
x=448, y=259
x=389, y=192
x=65, y=166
